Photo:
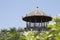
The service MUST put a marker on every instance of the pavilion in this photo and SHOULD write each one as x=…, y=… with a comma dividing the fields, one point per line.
x=37, y=20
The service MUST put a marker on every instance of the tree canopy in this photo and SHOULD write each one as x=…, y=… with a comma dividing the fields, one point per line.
x=52, y=34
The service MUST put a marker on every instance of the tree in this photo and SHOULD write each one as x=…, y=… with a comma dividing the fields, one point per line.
x=55, y=28
x=52, y=34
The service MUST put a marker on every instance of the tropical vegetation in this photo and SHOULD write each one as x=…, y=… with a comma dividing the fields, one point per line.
x=14, y=34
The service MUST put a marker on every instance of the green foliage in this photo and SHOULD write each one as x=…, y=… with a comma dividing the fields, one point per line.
x=55, y=28
x=52, y=34
x=12, y=34
x=30, y=35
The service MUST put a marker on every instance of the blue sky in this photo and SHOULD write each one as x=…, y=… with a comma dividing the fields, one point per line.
x=11, y=11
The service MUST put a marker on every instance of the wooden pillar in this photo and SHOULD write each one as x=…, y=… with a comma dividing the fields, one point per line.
x=27, y=24
x=35, y=23
x=30, y=23
x=46, y=22
x=41, y=22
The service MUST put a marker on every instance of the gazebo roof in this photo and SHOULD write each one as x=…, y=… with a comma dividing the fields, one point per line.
x=37, y=16
x=37, y=12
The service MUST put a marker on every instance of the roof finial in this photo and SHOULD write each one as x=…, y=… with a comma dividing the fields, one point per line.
x=37, y=7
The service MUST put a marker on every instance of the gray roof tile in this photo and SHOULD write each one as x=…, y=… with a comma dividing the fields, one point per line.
x=37, y=12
